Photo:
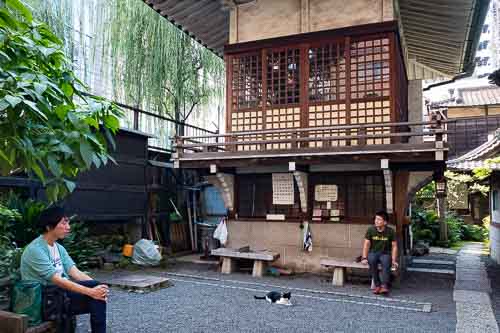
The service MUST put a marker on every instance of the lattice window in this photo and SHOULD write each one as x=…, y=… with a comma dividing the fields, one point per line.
x=372, y=112
x=247, y=81
x=246, y=121
x=325, y=116
x=327, y=73
x=370, y=68
x=283, y=118
x=365, y=195
x=283, y=77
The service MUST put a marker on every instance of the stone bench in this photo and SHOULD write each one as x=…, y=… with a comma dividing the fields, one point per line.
x=260, y=259
x=339, y=266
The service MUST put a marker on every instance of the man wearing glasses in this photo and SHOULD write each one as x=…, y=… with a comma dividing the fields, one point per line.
x=46, y=261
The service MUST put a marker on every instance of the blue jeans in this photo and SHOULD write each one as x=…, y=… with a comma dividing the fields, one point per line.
x=375, y=258
x=81, y=304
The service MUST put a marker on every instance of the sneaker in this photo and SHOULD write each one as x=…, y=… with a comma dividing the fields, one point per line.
x=376, y=291
x=384, y=290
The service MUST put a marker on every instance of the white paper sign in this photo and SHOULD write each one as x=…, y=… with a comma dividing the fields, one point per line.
x=325, y=193
x=283, y=189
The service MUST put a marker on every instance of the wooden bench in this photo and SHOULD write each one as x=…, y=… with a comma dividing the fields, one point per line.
x=15, y=323
x=339, y=266
x=260, y=259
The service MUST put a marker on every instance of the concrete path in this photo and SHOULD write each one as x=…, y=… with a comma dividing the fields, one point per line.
x=472, y=292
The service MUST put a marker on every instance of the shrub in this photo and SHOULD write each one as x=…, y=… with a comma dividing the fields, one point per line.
x=473, y=232
x=425, y=235
x=455, y=228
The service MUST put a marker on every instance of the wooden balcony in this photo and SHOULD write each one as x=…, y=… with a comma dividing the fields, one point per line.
x=349, y=142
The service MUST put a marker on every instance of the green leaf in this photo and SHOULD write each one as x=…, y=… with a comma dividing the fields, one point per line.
x=40, y=87
x=92, y=122
x=4, y=104
x=112, y=123
x=13, y=100
x=62, y=147
x=110, y=138
x=62, y=110
x=54, y=166
x=70, y=185
x=3, y=156
x=36, y=109
x=67, y=89
x=86, y=153
x=20, y=8
x=38, y=171
x=6, y=20
x=52, y=192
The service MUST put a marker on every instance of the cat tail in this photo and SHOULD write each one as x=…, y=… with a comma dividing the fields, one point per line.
x=259, y=297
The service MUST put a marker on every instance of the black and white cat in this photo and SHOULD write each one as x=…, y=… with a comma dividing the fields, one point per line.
x=275, y=297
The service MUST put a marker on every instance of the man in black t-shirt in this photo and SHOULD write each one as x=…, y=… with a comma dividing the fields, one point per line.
x=380, y=246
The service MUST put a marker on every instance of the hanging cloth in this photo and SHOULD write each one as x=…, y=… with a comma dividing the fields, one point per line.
x=308, y=241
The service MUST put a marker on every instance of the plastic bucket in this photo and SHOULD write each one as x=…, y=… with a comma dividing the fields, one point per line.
x=128, y=249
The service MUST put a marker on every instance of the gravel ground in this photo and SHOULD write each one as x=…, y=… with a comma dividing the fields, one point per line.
x=194, y=306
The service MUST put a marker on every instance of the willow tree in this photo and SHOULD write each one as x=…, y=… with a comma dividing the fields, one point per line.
x=159, y=66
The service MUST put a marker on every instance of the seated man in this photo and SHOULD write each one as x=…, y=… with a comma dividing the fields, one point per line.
x=46, y=261
x=379, y=247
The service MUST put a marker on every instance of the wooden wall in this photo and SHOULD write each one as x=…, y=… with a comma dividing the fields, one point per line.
x=259, y=20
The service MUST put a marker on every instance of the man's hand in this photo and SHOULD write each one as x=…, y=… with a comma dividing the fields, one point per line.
x=395, y=264
x=364, y=261
x=99, y=292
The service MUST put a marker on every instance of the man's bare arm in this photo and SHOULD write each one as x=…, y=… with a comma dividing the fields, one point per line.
x=394, y=253
x=78, y=275
x=366, y=248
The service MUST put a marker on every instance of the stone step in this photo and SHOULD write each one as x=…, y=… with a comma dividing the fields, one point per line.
x=431, y=270
x=432, y=261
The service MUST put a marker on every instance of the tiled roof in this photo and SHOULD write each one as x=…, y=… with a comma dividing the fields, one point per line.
x=478, y=156
x=478, y=96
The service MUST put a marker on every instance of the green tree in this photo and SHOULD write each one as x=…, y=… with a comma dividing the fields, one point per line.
x=159, y=66
x=49, y=128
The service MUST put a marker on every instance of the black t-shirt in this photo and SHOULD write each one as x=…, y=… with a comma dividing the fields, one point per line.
x=380, y=241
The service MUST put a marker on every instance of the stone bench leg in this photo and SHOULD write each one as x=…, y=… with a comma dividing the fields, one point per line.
x=228, y=265
x=338, y=276
x=258, y=268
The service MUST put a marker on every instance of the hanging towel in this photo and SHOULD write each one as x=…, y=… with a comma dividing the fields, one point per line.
x=308, y=241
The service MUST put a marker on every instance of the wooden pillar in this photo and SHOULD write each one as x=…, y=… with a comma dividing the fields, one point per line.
x=401, y=179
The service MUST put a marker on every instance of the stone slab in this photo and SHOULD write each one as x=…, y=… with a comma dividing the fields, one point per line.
x=441, y=250
x=432, y=262
x=469, y=296
x=336, y=262
x=431, y=270
x=137, y=282
x=475, y=318
x=473, y=285
x=255, y=255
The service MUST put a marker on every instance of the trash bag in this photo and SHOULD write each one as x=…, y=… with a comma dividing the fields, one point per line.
x=27, y=299
x=220, y=232
x=145, y=253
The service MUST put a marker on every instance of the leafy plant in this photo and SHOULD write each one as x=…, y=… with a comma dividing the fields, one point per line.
x=8, y=252
x=80, y=246
x=455, y=227
x=473, y=232
x=25, y=230
x=49, y=128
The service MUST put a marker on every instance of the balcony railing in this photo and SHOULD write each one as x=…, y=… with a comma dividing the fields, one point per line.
x=342, y=138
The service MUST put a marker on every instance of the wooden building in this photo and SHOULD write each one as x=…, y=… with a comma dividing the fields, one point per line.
x=324, y=113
